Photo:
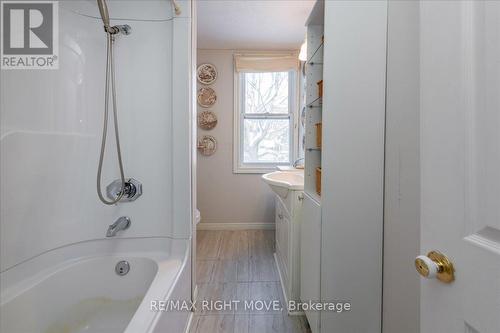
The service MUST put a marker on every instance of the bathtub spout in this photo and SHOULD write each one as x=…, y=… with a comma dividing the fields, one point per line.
x=121, y=224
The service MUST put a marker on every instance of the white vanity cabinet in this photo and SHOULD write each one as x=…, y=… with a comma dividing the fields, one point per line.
x=288, y=219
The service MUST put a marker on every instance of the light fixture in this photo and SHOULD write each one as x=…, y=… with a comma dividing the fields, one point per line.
x=303, y=52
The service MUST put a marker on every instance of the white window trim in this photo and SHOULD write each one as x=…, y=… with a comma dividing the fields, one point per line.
x=262, y=168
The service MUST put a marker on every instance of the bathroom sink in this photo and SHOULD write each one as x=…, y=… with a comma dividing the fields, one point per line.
x=282, y=182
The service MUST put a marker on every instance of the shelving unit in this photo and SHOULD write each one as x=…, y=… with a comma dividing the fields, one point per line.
x=314, y=106
x=310, y=231
x=332, y=220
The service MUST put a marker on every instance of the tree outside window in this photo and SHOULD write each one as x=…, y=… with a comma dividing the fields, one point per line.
x=266, y=118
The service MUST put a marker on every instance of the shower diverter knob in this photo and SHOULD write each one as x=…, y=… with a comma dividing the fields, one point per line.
x=132, y=191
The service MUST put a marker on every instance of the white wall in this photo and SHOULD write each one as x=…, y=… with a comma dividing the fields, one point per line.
x=402, y=170
x=225, y=197
x=51, y=122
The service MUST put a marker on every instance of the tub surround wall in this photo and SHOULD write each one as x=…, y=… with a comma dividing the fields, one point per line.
x=225, y=199
x=51, y=124
x=52, y=224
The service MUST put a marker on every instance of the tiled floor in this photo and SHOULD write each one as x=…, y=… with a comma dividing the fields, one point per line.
x=239, y=266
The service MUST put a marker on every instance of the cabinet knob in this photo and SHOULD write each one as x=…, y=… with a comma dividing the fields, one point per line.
x=280, y=216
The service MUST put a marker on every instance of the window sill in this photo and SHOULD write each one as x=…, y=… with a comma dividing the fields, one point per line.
x=243, y=170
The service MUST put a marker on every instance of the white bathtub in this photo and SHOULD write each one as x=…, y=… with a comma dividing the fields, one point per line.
x=54, y=294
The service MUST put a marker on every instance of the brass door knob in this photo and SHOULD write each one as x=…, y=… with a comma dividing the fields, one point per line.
x=435, y=265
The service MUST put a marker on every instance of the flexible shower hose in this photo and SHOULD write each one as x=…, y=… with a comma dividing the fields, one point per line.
x=110, y=75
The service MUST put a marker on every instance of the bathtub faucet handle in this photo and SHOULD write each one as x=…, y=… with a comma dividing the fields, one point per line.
x=121, y=224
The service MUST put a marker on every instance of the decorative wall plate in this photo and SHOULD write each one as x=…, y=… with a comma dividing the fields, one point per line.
x=206, y=97
x=207, y=120
x=206, y=73
x=207, y=145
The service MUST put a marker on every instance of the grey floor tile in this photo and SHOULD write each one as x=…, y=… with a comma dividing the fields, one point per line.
x=216, y=324
x=266, y=324
x=241, y=323
x=239, y=265
x=225, y=271
x=208, y=244
x=204, y=270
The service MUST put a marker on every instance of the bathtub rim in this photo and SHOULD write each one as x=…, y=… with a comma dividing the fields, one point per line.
x=144, y=310
x=17, y=279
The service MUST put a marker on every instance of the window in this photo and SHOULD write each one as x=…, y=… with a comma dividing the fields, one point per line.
x=264, y=120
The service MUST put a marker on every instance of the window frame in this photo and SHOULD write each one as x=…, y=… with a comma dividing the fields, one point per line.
x=239, y=117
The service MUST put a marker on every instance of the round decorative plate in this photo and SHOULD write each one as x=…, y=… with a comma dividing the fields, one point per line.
x=206, y=97
x=207, y=120
x=207, y=145
x=206, y=73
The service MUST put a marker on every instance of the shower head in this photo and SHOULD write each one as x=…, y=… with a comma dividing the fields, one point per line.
x=123, y=29
x=103, y=9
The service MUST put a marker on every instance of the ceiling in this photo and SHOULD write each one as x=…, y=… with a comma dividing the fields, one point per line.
x=252, y=24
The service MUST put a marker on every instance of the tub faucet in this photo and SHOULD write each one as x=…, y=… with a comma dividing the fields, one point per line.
x=121, y=224
x=296, y=163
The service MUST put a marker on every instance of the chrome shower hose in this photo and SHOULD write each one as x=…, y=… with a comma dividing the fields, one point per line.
x=110, y=76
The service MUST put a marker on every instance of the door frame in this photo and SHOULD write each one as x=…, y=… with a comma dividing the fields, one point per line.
x=193, y=124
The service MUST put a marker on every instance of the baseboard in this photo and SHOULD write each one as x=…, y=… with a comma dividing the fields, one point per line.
x=235, y=226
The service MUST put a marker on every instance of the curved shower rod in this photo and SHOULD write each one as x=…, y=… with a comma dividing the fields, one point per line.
x=103, y=9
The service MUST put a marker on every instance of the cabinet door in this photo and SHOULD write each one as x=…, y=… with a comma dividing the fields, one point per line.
x=277, y=221
x=310, y=257
x=285, y=243
x=282, y=239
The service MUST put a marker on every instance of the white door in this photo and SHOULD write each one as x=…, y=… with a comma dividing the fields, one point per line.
x=460, y=160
